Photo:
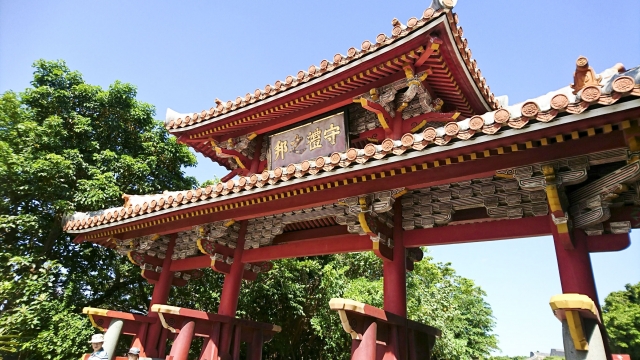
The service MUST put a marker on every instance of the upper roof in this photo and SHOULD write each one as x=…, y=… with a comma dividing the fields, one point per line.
x=465, y=87
x=616, y=84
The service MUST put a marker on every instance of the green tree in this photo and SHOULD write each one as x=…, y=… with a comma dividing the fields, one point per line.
x=296, y=294
x=213, y=181
x=621, y=313
x=66, y=146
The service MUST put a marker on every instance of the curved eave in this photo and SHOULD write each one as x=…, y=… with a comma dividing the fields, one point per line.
x=223, y=206
x=241, y=121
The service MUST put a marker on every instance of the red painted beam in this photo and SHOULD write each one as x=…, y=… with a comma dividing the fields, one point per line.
x=608, y=242
x=433, y=44
x=204, y=261
x=325, y=233
x=350, y=243
x=459, y=234
x=197, y=262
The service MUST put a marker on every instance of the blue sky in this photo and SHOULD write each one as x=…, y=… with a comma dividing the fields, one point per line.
x=185, y=54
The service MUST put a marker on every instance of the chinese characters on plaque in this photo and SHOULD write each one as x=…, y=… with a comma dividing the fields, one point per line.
x=319, y=138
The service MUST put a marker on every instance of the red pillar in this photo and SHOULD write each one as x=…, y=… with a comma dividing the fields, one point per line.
x=395, y=272
x=574, y=266
x=233, y=280
x=231, y=291
x=576, y=273
x=160, y=296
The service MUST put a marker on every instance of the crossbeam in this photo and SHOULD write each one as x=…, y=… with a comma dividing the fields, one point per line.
x=488, y=231
x=348, y=243
x=325, y=233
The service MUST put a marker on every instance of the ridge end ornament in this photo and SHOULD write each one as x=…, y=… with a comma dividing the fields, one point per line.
x=584, y=75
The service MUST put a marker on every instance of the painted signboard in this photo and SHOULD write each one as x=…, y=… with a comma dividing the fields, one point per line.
x=318, y=138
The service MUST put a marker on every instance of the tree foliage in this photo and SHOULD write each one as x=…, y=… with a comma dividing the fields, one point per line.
x=621, y=313
x=69, y=146
x=295, y=295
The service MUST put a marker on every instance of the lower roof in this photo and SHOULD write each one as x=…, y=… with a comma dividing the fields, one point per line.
x=553, y=108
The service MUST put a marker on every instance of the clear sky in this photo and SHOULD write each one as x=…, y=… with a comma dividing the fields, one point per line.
x=184, y=54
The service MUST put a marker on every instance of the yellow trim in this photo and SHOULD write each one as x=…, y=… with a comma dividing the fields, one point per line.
x=383, y=121
x=573, y=301
x=404, y=191
x=576, y=330
x=408, y=71
x=419, y=126
x=363, y=222
x=571, y=304
x=165, y=324
x=94, y=311
x=167, y=309
x=239, y=162
x=552, y=195
x=130, y=258
x=199, y=244
x=93, y=323
x=375, y=245
x=229, y=223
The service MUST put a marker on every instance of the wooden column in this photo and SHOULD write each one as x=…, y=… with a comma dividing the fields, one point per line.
x=574, y=266
x=576, y=273
x=231, y=290
x=160, y=296
x=395, y=276
x=395, y=284
x=233, y=280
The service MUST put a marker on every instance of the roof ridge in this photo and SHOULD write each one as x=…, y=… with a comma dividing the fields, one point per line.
x=174, y=119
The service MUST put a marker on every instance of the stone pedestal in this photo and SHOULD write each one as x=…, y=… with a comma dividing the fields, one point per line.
x=593, y=336
x=582, y=330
